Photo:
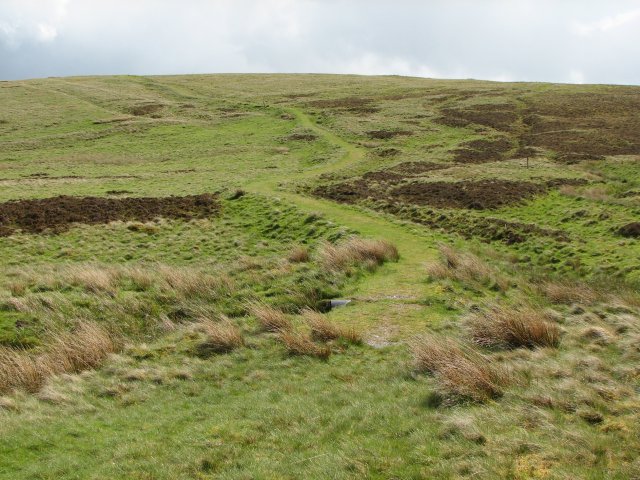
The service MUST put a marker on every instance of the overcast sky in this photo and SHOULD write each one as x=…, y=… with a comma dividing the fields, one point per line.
x=536, y=40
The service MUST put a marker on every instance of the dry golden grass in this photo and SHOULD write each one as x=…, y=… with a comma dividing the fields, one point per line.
x=220, y=337
x=598, y=335
x=298, y=343
x=191, y=283
x=18, y=369
x=299, y=254
x=18, y=288
x=466, y=268
x=270, y=319
x=504, y=327
x=461, y=371
x=92, y=278
x=142, y=279
x=102, y=279
x=85, y=348
x=323, y=330
x=568, y=292
x=357, y=251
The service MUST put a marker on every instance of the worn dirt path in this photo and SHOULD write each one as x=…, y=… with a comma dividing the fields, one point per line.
x=394, y=292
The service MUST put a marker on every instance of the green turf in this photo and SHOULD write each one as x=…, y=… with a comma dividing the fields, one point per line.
x=157, y=411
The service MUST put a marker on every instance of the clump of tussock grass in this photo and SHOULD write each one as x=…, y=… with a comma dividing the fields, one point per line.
x=18, y=288
x=85, y=348
x=597, y=335
x=93, y=278
x=185, y=282
x=219, y=336
x=357, y=251
x=191, y=283
x=269, y=319
x=467, y=269
x=505, y=327
x=18, y=369
x=463, y=427
x=299, y=254
x=462, y=373
x=323, y=330
x=568, y=292
x=298, y=343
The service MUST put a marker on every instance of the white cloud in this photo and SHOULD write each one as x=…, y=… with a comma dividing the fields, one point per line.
x=23, y=21
x=373, y=64
x=606, y=24
x=576, y=76
x=46, y=32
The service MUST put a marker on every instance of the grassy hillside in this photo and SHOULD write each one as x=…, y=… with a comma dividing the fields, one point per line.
x=170, y=246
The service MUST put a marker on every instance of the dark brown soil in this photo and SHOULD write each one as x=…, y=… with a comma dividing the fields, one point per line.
x=558, y=182
x=573, y=158
x=383, y=176
x=306, y=137
x=386, y=134
x=148, y=109
x=349, y=192
x=417, y=168
x=482, y=150
x=388, y=152
x=399, y=172
x=631, y=230
x=574, y=126
x=118, y=192
x=349, y=104
x=583, y=126
x=107, y=121
x=498, y=116
x=58, y=214
x=476, y=195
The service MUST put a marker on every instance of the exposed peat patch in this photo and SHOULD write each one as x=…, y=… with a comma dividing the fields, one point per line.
x=58, y=214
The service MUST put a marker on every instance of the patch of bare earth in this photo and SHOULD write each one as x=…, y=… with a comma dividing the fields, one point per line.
x=58, y=214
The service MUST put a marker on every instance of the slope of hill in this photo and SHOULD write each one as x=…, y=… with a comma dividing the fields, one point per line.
x=170, y=247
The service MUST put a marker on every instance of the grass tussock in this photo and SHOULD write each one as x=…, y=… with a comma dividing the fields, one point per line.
x=270, y=319
x=466, y=268
x=193, y=283
x=92, y=278
x=85, y=348
x=462, y=372
x=298, y=343
x=185, y=282
x=568, y=292
x=504, y=327
x=20, y=370
x=299, y=254
x=220, y=336
x=357, y=251
x=324, y=330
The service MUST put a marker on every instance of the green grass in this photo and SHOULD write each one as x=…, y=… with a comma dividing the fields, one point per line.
x=158, y=410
